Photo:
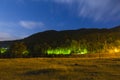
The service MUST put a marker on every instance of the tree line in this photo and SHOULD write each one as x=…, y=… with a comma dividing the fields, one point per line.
x=64, y=43
x=20, y=49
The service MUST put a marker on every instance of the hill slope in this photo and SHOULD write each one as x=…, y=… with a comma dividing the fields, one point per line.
x=79, y=41
x=91, y=34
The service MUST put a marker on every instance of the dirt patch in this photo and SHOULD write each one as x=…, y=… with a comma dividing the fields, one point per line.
x=44, y=71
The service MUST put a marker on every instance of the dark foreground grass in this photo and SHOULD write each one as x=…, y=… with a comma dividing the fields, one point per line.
x=60, y=69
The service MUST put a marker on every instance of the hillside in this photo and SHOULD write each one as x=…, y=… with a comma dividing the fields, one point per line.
x=81, y=41
x=92, y=39
x=52, y=35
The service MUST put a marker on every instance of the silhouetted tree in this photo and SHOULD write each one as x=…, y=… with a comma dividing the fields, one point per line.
x=18, y=49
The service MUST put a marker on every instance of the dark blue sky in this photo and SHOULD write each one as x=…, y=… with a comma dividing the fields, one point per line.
x=21, y=18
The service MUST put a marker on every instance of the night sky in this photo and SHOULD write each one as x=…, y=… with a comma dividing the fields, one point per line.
x=21, y=18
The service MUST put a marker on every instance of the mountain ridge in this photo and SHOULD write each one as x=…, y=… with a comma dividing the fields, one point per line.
x=81, y=29
x=80, y=41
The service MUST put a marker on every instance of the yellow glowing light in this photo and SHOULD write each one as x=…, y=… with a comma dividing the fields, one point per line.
x=116, y=50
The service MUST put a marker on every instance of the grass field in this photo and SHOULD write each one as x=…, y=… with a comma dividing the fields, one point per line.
x=60, y=69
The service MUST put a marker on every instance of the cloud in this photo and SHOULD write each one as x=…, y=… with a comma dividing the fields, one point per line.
x=10, y=30
x=6, y=36
x=95, y=9
x=31, y=24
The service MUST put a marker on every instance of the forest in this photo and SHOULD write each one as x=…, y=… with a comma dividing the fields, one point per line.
x=64, y=43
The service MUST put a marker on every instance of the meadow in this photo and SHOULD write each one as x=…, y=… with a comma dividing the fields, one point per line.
x=60, y=69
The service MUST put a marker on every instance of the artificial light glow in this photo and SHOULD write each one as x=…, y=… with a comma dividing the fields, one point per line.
x=84, y=51
x=25, y=52
x=3, y=50
x=116, y=50
x=66, y=51
x=59, y=51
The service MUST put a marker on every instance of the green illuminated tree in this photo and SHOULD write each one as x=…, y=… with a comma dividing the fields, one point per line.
x=3, y=52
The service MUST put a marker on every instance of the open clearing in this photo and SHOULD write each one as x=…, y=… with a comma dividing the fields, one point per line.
x=60, y=69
